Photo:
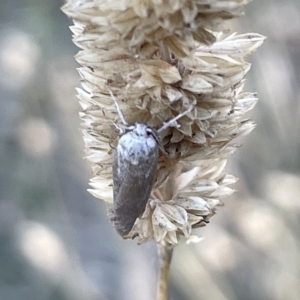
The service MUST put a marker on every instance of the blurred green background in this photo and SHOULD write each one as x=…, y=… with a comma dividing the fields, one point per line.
x=56, y=242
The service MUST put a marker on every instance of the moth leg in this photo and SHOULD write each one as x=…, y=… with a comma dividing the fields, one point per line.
x=169, y=123
x=122, y=130
x=162, y=149
x=158, y=141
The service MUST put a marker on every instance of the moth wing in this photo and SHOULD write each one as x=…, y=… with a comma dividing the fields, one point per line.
x=132, y=188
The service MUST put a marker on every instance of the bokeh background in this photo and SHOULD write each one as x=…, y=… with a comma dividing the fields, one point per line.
x=56, y=242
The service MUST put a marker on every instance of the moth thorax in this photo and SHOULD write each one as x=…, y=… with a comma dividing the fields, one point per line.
x=137, y=144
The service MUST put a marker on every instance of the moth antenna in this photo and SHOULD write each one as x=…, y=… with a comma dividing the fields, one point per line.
x=118, y=107
x=166, y=125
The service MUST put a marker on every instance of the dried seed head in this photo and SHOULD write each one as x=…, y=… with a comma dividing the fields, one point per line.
x=159, y=58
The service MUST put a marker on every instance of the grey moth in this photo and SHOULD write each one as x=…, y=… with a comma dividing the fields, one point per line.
x=134, y=169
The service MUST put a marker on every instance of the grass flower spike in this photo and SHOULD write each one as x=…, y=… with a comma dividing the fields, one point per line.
x=159, y=58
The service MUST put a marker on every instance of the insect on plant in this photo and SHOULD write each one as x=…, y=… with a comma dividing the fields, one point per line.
x=134, y=168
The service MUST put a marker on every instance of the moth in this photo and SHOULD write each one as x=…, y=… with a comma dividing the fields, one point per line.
x=134, y=168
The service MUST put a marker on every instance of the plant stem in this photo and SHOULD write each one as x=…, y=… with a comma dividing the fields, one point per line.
x=165, y=257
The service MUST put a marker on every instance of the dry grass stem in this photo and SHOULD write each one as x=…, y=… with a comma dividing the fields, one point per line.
x=165, y=257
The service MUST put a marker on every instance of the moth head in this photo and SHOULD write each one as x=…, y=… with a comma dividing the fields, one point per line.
x=139, y=129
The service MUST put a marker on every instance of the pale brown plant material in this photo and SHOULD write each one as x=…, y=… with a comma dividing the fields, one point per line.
x=159, y=58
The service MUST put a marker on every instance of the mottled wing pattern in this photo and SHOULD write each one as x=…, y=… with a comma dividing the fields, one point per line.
x=132, y=188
